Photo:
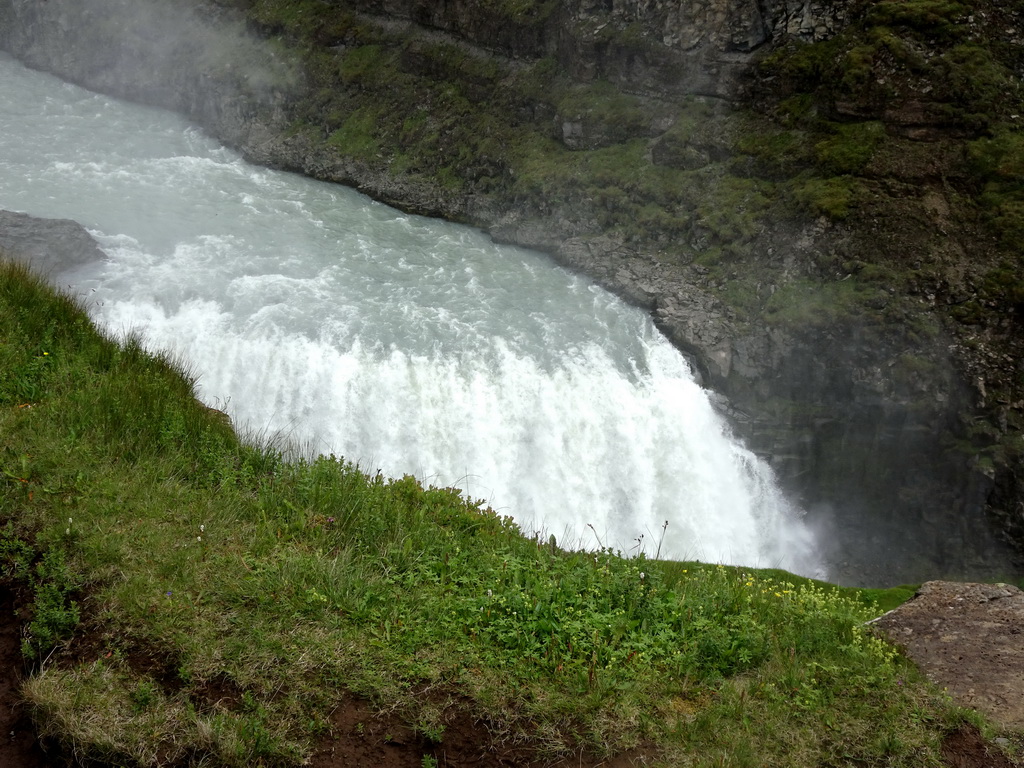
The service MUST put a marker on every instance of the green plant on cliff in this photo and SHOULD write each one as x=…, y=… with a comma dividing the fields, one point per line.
x=906, y=124
x=202, y=564
x=998, y=160
x=849, y=148
x=55, y=614
x=831, y=197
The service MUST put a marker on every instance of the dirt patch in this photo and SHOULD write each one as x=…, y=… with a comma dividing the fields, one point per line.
x=967, y=748
x=19, y=747
x=969, y=639
x=361, y=736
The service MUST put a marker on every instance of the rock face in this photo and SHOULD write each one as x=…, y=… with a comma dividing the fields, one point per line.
x=679, y=47
x=657, y=47
x=967, y=638
x=48, y=246
x=855, y=417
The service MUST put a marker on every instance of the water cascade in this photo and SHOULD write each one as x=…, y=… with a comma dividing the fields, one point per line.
x=404, y=344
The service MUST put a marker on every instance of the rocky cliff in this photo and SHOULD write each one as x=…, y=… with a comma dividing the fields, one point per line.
x=819, y=202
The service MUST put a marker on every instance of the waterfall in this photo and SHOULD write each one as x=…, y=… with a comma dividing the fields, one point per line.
x=401, y=343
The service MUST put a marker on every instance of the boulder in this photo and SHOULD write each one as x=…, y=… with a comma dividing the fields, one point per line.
x=49, y=246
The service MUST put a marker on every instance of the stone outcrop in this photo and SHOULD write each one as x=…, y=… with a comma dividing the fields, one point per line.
x=855, y=434
x=967, y=639
x=48, y=246
x=655, y=47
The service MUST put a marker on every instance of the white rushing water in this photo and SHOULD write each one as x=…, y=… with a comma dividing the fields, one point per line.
x=399, y=342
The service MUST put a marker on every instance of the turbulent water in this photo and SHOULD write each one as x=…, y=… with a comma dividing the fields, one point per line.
x=401, y=343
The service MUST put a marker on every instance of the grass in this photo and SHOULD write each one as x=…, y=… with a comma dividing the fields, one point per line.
x=136, y=518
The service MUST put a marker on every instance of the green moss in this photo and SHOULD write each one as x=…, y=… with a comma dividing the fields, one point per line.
x=771, y=151
x=1000, y=155
x=832, y=197
x=450, y=61
x=858, y=67
x=632, y=37
x=998, y=163
x=927, y=17
x=701, y=134
x=801, y=64
x=742, y=293
x=799, y=109
x=366, y=65
x=977, y=88
x=1004, y=283
x=850, y=147
x=612, y=112
x=805, y=304
x=357, y=137
x=912, y=369
x=535, y=83
x=305, y=19
x=1008, y=219
x=895, y=43
x=731, y=209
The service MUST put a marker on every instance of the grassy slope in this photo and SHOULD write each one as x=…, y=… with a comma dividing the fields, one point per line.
x=162, y=556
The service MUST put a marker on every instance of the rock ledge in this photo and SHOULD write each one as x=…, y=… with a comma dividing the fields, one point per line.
x=967, y=638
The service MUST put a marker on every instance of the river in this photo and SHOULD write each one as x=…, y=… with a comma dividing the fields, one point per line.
x=326, y=321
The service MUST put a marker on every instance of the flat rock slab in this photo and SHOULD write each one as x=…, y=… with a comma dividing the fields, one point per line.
x=49, y=246
x=969, y=639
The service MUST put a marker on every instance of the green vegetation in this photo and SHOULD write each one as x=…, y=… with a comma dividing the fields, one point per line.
x=999, y=161
x=850, y=148
x=142, y=528
x=356, y=134
x=165, y=556
x=932, y=56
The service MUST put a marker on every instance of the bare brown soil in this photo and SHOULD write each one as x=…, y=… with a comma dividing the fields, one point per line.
x=966, y=748
x=19, y=747
x=362, y=737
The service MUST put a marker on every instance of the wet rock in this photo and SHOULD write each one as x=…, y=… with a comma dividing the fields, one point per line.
x=49, y=246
